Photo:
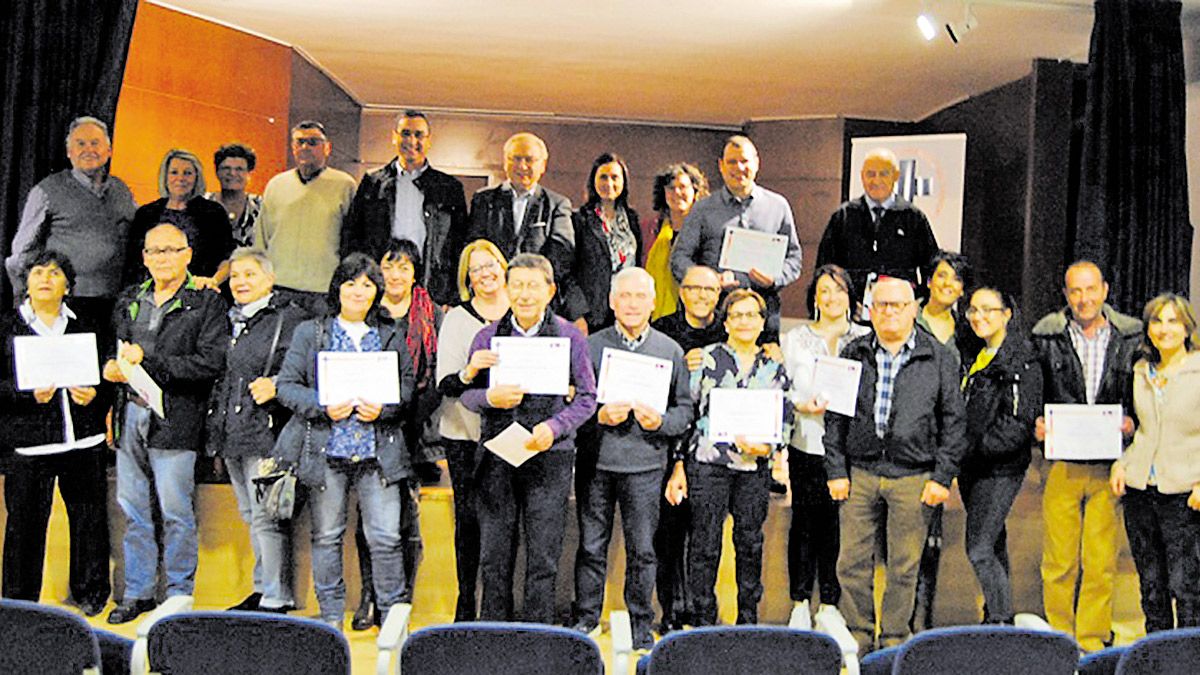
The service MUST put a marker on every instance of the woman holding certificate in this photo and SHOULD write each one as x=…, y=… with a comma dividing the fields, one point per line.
x=742, y=418
x=56, y=433
x=339, y=439
x=1159, y=472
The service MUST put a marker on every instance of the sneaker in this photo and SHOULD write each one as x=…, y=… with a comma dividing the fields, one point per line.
x=830, y=614
x=249, y=604
x=282, y=609
x=129, y=610
x=801, y=618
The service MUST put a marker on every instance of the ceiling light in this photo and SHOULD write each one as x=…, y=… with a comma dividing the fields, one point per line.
x=928, y=26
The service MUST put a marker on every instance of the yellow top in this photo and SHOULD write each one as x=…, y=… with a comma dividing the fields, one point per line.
x=658, y=264
x=981, y=361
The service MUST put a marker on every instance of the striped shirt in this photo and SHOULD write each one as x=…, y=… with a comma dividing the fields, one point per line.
x=1091, y=352
x=889, y=366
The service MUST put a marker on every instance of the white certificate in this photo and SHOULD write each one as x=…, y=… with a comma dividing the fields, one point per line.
x=147, y=389
x=1083, y=432
x=538, y=365
x=755, y=414
x=373, y=377
x=835, y=381
x=509, y=445
x=56, y=361
x=626, y=377
x=744, y=248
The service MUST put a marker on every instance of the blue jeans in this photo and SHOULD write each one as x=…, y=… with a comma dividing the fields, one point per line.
x=173, y=476
x=379, y=504
x=270, y=539
x=988, y=501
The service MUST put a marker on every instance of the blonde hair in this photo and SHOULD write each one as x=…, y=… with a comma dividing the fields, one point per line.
x=464, y=263
x=175, y=153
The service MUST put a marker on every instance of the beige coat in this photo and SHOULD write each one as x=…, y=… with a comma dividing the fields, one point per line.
x=1168, y=433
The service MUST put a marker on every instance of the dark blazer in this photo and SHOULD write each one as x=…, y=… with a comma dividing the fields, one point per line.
x=585, y=293
x=211, y=238
x=1003, y=402
x=368, y=225
x=1063, y=373
x=547, y=228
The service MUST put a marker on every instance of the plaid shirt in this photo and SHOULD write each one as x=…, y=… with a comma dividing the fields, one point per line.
x=889, y=367
x=1091, y=354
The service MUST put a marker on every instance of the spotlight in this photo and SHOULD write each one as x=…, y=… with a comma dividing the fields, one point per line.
x=926, y=23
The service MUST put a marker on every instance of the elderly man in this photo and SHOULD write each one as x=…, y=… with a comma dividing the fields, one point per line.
x=300, y=225
x=521, y=216
x=537, y=491
x=408, y=199
x=740, y=203
x=893, y=461
x=1087, y=352
x=878, y=233
x=176, y=333
x=631, y=441
x=85, y=214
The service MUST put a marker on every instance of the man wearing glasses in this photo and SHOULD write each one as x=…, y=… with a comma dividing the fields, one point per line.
x=300, y=225
x=893, y=461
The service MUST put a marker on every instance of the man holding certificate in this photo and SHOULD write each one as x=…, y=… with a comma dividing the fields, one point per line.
x=642, y=385
x=893, y=461
x=1087, y=352
x=528, y=429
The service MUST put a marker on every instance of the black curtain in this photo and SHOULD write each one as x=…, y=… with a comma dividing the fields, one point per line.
x=1132, y=208
x=60, y=59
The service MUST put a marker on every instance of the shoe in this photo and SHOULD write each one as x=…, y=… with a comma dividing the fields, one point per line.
x=282, y=609
x=591, y=630
x=643, y=643
x=129, y=610
x=829, y=614
x=366, y=616
x=250, y=604
x=801, y=618
x=778, y=488
x=93, y=607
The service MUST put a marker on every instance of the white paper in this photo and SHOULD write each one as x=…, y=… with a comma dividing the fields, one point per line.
x=538, y=365
x=835, y=381
x=509, y=445
x=626, y=377
x=145, y=386
x=56, y=361
x=1083, y=432
x=743, y=248
x=371, y=377
x=755, y=414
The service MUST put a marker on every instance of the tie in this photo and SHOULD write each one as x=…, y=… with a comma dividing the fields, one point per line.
x=877, y=212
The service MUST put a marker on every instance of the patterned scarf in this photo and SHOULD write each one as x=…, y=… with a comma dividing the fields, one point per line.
x=421, y=336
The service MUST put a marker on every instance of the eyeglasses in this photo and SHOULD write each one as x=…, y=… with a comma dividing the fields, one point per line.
x=707, y=290
x=155, y=252
x=532, y=287
x=889, y=307
x=491, y=266
x=976, y=311
x=311, y=141
x=738, y=316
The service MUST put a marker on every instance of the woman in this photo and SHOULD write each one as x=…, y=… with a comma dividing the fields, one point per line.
x=722, y=478
x=352, y=444
x=181, y=184
x=481, y=270
x=813, y=537
x=1003, y=393
x=56, y=433
x=676, y=189
x=235, y=162
x=608, y=239
x=1159, y=473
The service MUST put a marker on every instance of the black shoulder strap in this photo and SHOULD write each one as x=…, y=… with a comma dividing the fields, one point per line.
x=274, y=344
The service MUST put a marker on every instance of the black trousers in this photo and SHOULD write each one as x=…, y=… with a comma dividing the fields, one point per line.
x=1164, y=537
x=461, y=459
x=814, y=535
x=670, y=548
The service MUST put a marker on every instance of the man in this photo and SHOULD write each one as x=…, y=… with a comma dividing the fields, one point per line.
x=84, y=213
x=880, y=233
x=408, y=199
x=631, y=443
x=300, y=224
x=893, y=461
x=176, y=332
x=521, y=216
x=537, y=491
x=1087, y=352
x=740, y=203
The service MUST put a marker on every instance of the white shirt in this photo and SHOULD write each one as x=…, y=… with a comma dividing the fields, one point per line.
x=409, y=213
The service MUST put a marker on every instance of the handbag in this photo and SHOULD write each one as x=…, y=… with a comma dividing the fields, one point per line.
x=275, y=489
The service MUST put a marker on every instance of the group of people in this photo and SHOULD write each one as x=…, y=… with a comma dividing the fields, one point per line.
x=226, y=299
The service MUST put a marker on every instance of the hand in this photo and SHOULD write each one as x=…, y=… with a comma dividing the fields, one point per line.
x=773, y=352
x=480, y=360
x=814, y=406
x=839, y=489
x=132, y=353
x=367, y=412
x=82, y=395
x=676, y=490
x=1039, y=429
x=1127, y=425
x=262, y=390
x=44, y=394
x=729, y=280
x=1193, y=501
x=1116, y=481
x=112, y=373
x=751, y=449
x=340, y=411
x=581, y=324
x=647, y=417
x=694, y=359
x=542, y=438
x=206, y=282
x=934, y=493
x=759, y=279
x=505, y=396
x=612, y=414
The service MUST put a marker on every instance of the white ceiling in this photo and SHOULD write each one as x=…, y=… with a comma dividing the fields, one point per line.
x=694, y=61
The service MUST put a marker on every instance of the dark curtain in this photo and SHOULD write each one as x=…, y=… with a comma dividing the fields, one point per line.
x=60, y=59
x=1132, y=215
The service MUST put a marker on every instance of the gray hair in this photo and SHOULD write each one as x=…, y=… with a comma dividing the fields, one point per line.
x=528, y=137
x=87, y=119
x=532, y=261
x=632, y=274
x=175, y=153
x=885, y=155
x=256, y=254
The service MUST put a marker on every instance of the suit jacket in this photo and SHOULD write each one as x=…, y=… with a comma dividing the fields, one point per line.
x=547, y=227
x=368, y=225
x=586, y=291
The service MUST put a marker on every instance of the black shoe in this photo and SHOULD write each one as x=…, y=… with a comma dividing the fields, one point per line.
x=129, y=610
x=282, y=609
x=93, y=607
x=778, y=488
x=428, y=473
x=250, y=604
x=366, y=616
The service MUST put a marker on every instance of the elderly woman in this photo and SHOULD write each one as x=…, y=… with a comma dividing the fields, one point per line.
x=722, y=478
x=608, y=239
x=56, y=433
x=181, y=184
x=676, y=189
x=354, y=444
x=235, y=162
x=481, y=270
x=245, y=416
x=1159, y=472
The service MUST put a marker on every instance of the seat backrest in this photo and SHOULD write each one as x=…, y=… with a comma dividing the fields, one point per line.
x=1103, y=662
x=45, y=640
x=879, y=662
x=1169, y=652
x=987, y=650
x=206, y=643
x=116, y=652
x=494, y=648
x=762, y=650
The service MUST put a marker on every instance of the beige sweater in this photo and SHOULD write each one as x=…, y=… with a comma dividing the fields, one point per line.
x=1168, y=433
x=300, y=227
